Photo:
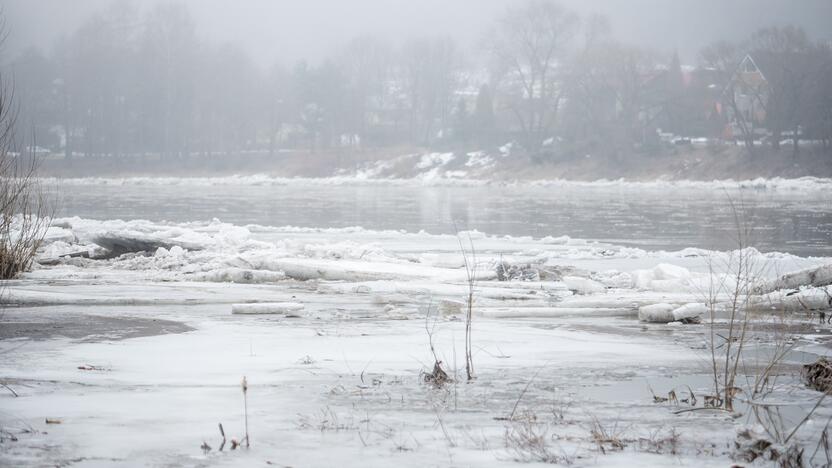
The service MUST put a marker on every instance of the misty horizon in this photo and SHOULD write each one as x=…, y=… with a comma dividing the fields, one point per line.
x=286, y=33
x=415, y=233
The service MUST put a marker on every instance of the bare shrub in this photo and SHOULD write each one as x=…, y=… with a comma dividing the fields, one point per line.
x=24, y=212
x=730, y=291
x=727, y=349
x=733, y=294
x=437, y=376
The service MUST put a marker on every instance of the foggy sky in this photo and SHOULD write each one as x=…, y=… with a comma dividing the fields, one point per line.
x=290, y=30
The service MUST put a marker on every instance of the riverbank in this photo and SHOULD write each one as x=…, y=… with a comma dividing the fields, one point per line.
x=498, y=164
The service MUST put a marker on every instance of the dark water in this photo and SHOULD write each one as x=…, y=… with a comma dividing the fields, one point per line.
x=795, y=222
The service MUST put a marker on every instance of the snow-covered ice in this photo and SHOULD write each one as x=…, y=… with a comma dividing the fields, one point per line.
x=332, y=328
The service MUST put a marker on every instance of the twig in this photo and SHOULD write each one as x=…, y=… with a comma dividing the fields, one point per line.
x=714, y=408
x=245, y=407
x=222, y=433
x=9, y=389
x=806, y=418
x=824, y=440
x=523, y=393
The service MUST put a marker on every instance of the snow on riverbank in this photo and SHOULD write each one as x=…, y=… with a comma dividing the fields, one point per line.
x=431, y=177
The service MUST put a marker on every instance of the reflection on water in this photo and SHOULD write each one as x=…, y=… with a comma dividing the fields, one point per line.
x=653, y=219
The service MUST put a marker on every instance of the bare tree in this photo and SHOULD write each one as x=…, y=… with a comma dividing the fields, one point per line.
x=821, y=108
x=429, y=79
x=275, y=104
x=166, y=52
x=366, y=65
x=725, y=58
x=614, y=96
x=528, y=45
x=484, y=124
x=789, y=61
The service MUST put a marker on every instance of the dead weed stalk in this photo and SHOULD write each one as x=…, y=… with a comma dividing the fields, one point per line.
x=470, y=272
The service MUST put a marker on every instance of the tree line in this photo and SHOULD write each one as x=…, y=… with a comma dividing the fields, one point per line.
x=559, y=85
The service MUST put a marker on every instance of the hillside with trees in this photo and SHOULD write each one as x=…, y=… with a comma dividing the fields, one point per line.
x=131, y=86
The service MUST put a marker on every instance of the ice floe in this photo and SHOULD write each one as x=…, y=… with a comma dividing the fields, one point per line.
x=512, y=276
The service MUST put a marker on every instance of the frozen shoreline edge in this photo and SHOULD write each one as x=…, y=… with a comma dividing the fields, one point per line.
x=802, y=184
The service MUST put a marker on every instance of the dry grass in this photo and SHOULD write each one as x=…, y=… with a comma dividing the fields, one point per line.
x=660, y=442
x=529, y=440
x=607, y=438
x=328, y=421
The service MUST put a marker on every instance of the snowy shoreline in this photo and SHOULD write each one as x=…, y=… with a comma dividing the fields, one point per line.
x=802, y=184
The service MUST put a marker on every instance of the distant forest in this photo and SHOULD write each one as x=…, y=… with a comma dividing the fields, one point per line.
x=558, y=85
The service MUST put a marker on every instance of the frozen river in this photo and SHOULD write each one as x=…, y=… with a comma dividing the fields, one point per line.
x=650, y=217
x=357, y=318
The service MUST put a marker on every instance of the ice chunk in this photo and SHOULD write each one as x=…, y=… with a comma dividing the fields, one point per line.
x=666, y=271
x=626, y=299
x=443, y=260
x=583, y=285
x=428, y=289
x=662, y=277
x=266, y=308
x=451, y=307
x=350, y=270
x=689, y=312
x=820, y=276
x=551, y=312
x=175, y=252
x=669, y=285
x=665, y=313
x=239, y=275
x=507, y=272
x=793, y=301
x=58, y=234
x=387, y=299
x=613, y=278
x=642, y=278
x=70, y=292
x=119, y=243
x=656, y=313
x=52, y=252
